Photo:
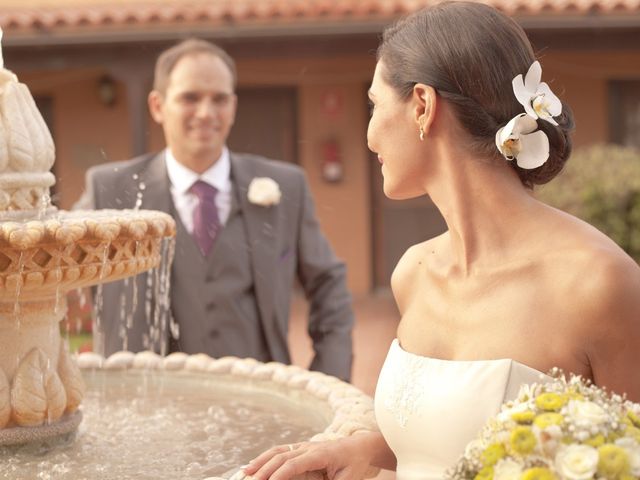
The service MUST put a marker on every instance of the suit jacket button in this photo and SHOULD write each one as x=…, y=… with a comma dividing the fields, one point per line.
x=214, y=333
x=211, y=306
x=209, y=278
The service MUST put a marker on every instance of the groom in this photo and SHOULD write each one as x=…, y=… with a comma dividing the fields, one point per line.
x=246, y=228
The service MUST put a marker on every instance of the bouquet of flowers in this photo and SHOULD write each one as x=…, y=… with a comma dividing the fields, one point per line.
x=564, y=429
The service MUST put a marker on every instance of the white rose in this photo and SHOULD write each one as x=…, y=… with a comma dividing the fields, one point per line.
x=507, y=469
x=633, y=451
x=264, y=191
x=587, y=413
x=577, y=462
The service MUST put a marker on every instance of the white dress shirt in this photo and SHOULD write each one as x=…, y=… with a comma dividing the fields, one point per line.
x=181, y=179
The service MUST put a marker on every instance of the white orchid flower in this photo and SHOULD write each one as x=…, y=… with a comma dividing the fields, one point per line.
x=520, y=140
x=536, y=96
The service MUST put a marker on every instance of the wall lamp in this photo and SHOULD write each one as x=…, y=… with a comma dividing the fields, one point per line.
x=107, y=90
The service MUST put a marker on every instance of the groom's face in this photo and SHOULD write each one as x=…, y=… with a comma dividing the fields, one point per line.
x=197, y=110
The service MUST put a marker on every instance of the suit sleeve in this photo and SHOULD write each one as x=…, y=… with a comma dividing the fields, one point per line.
x=323, y=278
x=87, y=200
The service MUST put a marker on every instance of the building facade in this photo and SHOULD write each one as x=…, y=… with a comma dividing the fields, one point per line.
x=304, y=67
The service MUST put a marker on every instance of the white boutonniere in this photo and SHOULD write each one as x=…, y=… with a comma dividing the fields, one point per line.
x=264, y=191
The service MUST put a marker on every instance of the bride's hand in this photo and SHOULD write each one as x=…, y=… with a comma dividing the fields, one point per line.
x=343, y=459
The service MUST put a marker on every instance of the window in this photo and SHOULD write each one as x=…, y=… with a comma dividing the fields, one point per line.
x=624, y=112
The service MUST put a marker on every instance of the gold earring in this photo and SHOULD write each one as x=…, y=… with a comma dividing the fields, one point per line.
x=421, y=135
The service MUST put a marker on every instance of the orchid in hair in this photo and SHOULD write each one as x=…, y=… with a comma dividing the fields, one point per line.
x=536, y=96
x=520, y=140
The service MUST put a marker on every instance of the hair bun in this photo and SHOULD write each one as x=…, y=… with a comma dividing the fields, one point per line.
x=560, y=146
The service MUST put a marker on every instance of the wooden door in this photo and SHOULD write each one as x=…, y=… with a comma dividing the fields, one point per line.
x=397, y=225
x=266, y=123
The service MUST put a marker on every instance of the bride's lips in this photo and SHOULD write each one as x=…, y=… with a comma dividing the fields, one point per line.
x=380, y=160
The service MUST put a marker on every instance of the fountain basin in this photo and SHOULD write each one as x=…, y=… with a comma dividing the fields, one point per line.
x=40, y=260
x=190, y=417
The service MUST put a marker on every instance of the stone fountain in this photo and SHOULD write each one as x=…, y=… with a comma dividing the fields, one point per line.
x=44, y=253
x=145, y=416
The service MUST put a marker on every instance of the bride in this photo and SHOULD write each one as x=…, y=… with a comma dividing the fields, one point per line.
x=514, y=287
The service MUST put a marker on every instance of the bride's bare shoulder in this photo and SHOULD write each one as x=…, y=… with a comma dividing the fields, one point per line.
x=416, y=256
x=590, y=266
x=404, y=279
x=608, y=280
x=609, y=311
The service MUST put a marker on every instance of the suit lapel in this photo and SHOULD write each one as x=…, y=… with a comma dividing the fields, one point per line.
x=261, y=228
x=157, y=194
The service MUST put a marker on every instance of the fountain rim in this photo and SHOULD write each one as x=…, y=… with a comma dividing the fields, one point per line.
x=352, y=409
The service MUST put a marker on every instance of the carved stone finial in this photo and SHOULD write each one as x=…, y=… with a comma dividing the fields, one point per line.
x=27, y=152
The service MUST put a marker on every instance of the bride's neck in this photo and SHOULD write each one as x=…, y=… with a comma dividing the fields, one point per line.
x=483, y=204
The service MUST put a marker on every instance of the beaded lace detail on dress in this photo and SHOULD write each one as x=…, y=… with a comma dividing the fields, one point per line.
x=404, y=396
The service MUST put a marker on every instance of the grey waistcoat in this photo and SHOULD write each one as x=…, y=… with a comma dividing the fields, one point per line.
x=212, y=298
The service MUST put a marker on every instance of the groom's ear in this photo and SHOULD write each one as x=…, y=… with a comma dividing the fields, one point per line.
x=155, y=101
x=424, y=100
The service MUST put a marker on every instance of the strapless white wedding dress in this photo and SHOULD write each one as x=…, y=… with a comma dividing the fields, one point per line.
x=428, y=409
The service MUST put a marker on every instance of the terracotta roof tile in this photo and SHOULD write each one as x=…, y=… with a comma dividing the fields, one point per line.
x=24, y=16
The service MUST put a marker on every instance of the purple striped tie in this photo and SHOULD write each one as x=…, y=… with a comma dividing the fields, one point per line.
x=206, y=223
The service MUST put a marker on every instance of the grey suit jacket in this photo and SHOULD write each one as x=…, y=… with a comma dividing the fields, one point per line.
x=286, y=242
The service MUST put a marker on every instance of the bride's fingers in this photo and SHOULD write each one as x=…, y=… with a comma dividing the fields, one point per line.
x=263, y=466
x=299, y=462
x=255, y=464
x=286, y=465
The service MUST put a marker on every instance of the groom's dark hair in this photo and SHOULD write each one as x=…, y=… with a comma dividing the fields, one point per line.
x=168, y=59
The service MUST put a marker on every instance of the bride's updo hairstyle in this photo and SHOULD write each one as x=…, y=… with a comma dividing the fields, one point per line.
x=470, y=53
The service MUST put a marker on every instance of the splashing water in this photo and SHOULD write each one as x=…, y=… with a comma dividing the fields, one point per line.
x=151, y=294
x=147, y=425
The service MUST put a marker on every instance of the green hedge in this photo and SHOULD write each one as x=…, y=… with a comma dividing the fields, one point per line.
x=601, y=185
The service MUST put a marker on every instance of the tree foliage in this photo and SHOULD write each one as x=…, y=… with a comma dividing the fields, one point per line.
x=601, y=185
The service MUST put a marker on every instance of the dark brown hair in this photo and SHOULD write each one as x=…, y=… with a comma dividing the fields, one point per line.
x=191, y=46
x=470, y=53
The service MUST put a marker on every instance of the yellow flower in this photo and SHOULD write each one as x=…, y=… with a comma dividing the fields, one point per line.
x=538, y=473
x=550, y=401
x=485, y=474
x=522, y=440
x=545, y=420
x=613, y=436
x=595, y=441
x=633, y=432
x=573, y=395
x=492, y=454
x=523, y=417
x=633, y=418
x=613, y=461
